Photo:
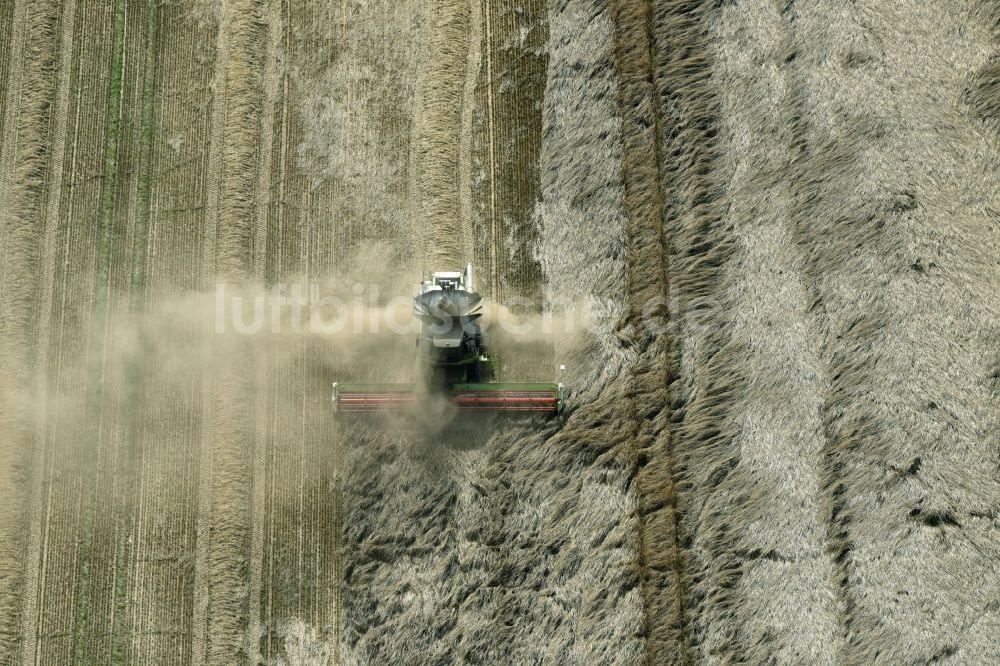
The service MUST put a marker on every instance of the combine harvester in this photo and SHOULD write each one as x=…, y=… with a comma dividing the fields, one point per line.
x=454, y=359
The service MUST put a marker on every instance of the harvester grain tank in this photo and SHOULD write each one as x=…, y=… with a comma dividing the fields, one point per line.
x=453, y=355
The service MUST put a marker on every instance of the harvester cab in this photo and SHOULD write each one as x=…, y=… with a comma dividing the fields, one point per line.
x=453, y=360
x=450, y=345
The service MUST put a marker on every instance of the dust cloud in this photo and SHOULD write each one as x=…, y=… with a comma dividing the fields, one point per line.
x=349, y=330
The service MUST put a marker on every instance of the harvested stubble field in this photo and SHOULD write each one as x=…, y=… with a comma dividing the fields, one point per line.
x=783, y=439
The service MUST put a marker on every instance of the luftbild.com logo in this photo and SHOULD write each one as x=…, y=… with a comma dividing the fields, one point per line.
x=363, y=309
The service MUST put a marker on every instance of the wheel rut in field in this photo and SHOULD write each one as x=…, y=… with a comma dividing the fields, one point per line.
x=646, y=325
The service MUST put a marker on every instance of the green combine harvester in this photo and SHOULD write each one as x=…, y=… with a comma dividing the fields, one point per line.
x=454, y=359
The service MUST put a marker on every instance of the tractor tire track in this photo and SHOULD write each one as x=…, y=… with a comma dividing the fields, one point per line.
x=646, y=325
x=701, y=366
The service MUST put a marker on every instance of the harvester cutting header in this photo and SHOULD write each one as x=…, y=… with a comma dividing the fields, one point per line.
x=453, y=360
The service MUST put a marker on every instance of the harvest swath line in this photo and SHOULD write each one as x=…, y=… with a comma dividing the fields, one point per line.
x=7, y=37
x=13, y=57
x=507, y=151
x=466, y=138
x=229, y=601
x=261, y=440
x=24, y=156
x=439, y=123
x=34, y=566
x=212, y=183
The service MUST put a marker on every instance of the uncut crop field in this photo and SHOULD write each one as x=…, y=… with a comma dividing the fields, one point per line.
x=781, y=220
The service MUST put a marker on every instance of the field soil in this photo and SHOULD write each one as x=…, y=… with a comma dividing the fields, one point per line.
x=764, y=238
